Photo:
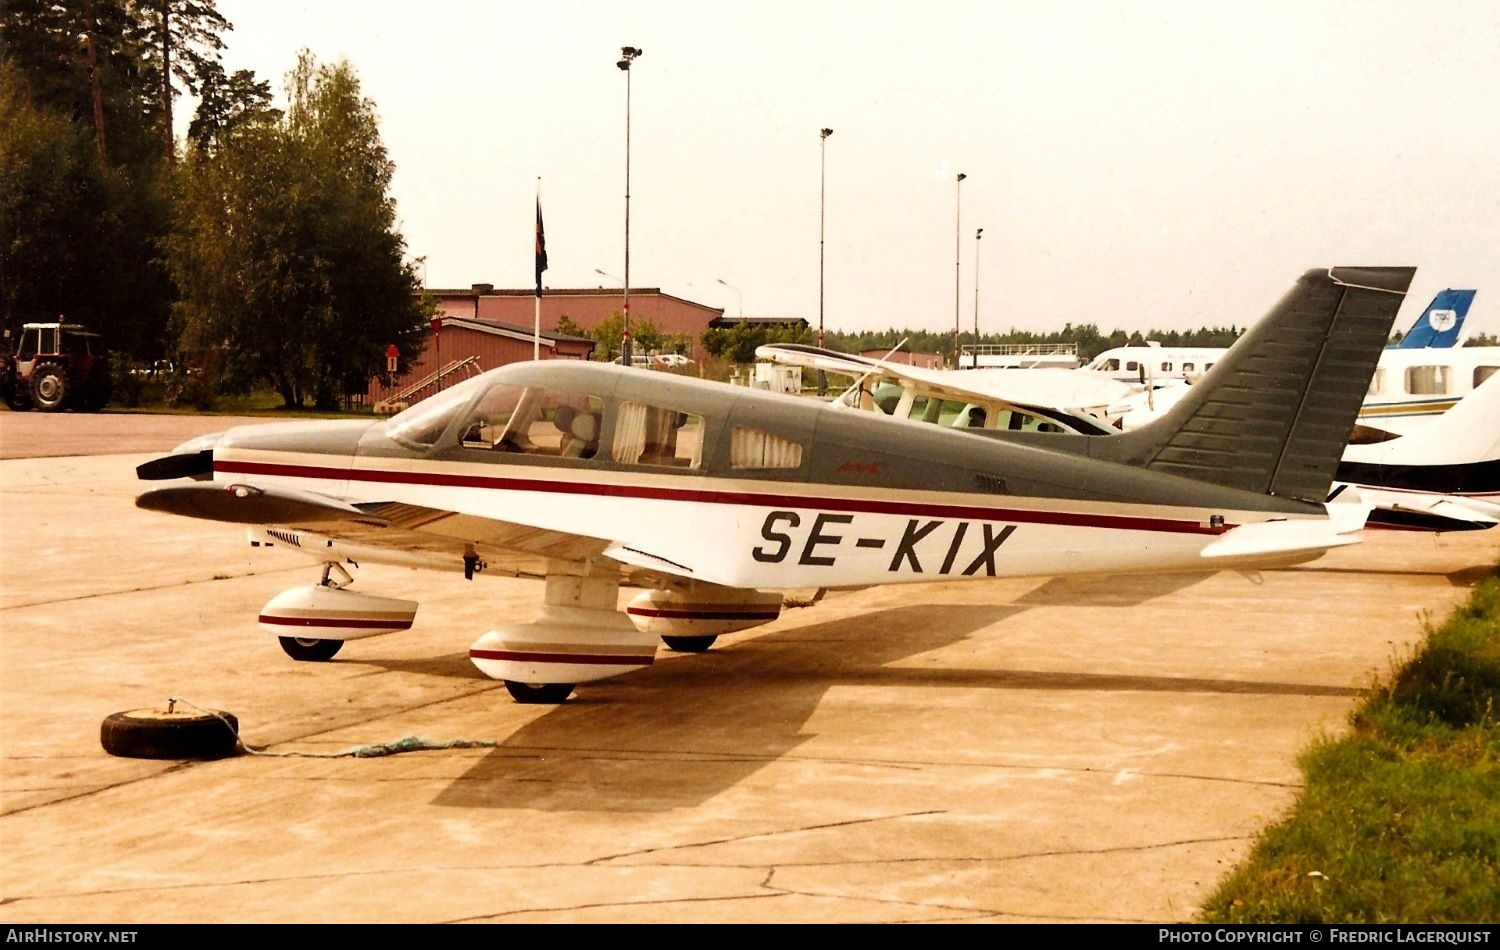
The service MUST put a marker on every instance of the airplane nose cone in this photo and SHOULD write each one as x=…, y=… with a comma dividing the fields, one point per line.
x=192, y=459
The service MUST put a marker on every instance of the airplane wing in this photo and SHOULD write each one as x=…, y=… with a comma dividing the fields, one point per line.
x=505, y=546
x=1025, y=389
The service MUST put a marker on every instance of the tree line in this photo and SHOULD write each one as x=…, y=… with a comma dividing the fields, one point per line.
x=261, y=248
x=1089, y=339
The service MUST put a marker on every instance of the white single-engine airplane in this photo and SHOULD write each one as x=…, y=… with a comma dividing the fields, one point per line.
x=717, y=500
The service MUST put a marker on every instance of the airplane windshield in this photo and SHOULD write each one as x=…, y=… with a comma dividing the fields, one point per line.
x=424, y=423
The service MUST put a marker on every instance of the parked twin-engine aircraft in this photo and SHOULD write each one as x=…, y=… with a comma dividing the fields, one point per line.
x=1444, y=476
x=716, y=500
x=1439, y=326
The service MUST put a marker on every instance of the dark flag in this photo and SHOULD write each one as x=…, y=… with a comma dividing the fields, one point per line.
x=541, y=247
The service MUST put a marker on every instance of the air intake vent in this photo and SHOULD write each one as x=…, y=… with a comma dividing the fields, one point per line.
x=991, y=484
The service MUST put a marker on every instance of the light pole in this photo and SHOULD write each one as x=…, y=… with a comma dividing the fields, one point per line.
x=957, y=234
x=977, y=235
x=604, y=273
x=738, y=296
x=627, y=55
x=822, y=194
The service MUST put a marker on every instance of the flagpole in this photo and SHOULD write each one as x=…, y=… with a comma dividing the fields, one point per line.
x=541, y=265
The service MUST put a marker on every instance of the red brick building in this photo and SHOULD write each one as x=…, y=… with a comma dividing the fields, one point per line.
x=465, y=347
x=586, y=308
x=483, y=328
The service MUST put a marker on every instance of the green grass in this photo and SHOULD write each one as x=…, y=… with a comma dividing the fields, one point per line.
x=259, y=403
x=1399, y=819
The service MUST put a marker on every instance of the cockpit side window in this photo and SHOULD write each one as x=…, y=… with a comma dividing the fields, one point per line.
x=533, y=421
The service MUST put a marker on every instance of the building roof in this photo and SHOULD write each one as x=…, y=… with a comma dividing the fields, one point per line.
x=510, y=329
x=487, y=290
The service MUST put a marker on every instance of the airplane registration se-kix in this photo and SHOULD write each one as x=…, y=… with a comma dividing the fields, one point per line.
x=722, y=503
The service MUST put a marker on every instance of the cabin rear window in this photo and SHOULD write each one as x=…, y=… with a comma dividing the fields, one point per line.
x=1482, y=373
x=655, y=435
x=1428, y=380
x=752, y=448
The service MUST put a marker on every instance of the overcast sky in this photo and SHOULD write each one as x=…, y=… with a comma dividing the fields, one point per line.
x=1133, y=164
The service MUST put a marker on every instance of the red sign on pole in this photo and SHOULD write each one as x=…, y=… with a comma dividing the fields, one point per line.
x=437, y=324
x=391, y=355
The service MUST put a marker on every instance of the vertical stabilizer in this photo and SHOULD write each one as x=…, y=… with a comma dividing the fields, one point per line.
x=1274, y=414
x=1441, y=324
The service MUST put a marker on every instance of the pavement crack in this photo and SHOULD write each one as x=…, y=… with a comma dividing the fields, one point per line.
x=776, y=833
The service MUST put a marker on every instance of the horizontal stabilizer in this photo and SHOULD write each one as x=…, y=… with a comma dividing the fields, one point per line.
x=1474, y=511
x=253, y=504
x=1278, y=537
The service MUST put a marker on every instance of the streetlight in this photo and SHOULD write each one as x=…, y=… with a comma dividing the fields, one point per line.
x=737, y=294
x=822, y=193
x=977, y=235
x=612, y=277
x=627, y=55
x=957, y=231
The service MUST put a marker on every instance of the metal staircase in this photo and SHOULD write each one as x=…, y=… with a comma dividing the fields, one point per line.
x=434, y=382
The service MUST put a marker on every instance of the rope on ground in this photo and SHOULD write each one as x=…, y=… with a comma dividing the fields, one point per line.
x=405, y=744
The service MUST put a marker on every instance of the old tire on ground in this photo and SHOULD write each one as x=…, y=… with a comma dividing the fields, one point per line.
x=49, y=387
x=538, y=693
x=689, y=644
x=310, y=650
x=170, y=733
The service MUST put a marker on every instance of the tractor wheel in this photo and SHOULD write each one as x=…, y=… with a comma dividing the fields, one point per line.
x=49, y=387
x=169, y=733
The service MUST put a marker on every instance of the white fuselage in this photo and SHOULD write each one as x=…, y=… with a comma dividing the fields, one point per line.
x=774, y=535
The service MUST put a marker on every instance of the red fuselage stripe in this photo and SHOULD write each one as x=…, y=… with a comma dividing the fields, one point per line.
x=323, y=622
x=699, y=496
x=704, y=614
x=579, y=659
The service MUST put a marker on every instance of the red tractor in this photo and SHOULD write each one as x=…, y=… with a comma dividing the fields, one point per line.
x=56, y=366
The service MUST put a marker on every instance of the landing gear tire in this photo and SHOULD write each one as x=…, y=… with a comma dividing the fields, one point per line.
x=539, y=693
x=689, y=644
x=49, y=387
x=169, y=734
x=310, y=650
